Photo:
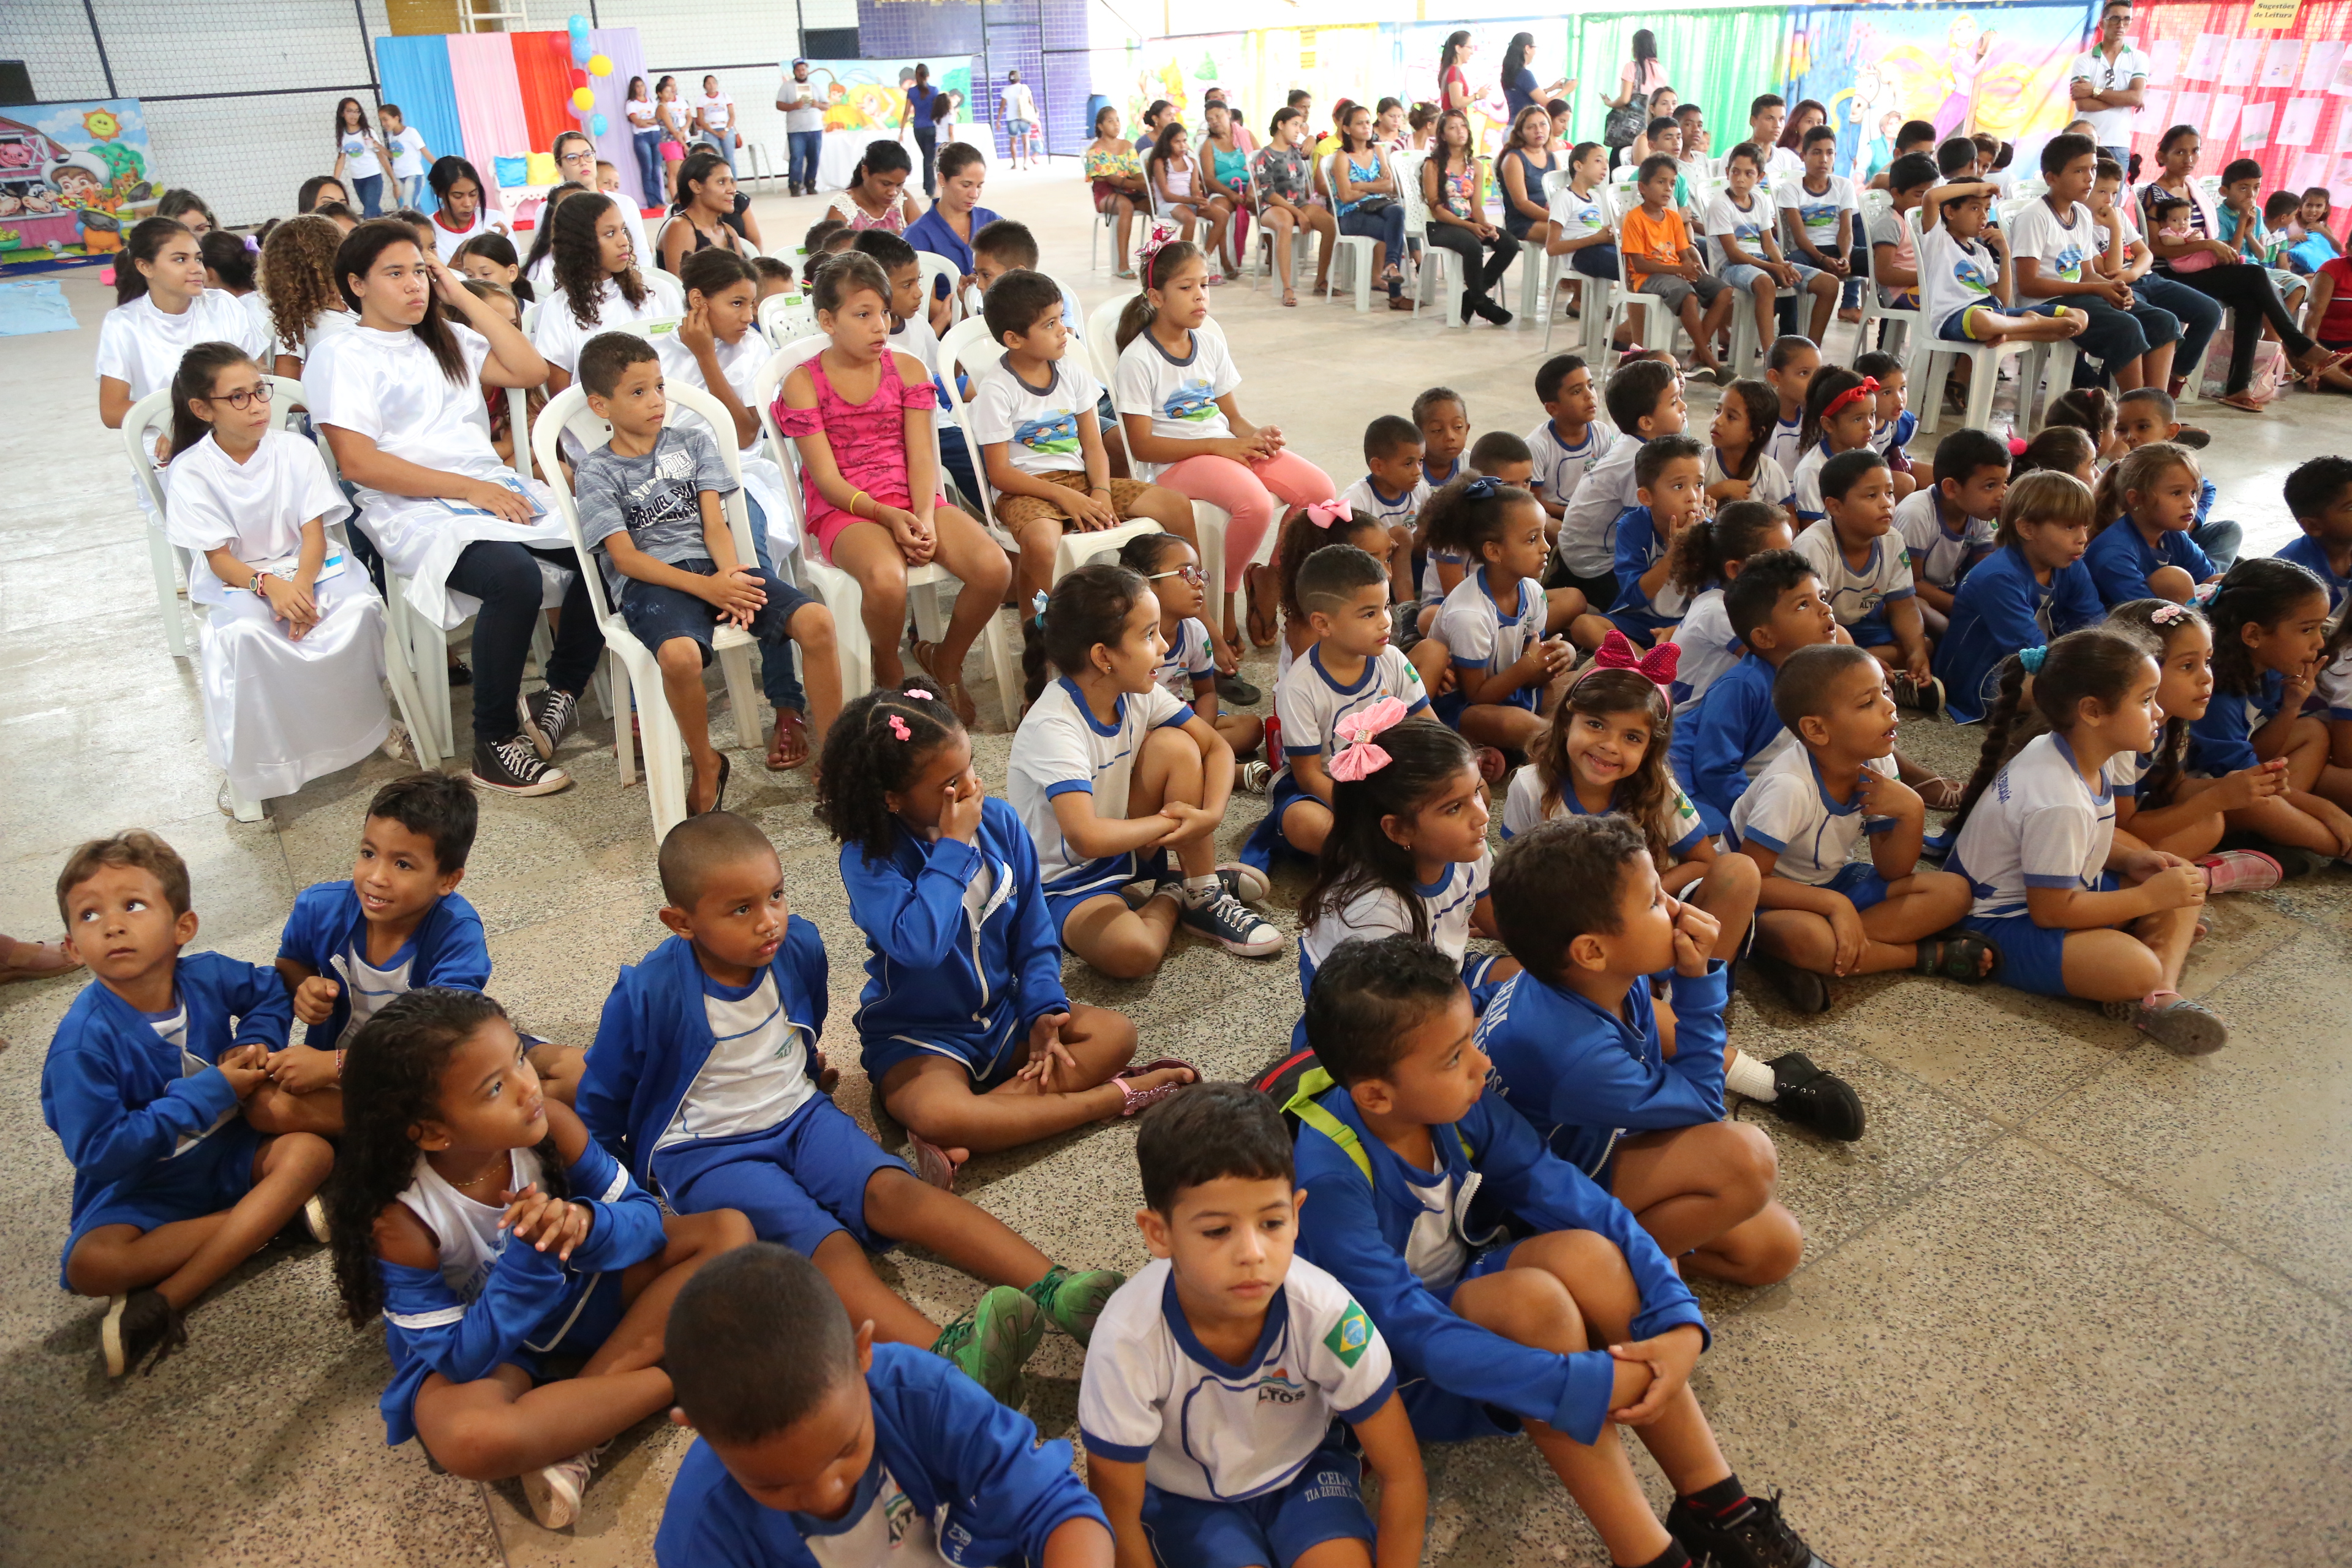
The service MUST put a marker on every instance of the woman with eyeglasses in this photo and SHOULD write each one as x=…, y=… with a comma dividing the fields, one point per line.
x=575, y=160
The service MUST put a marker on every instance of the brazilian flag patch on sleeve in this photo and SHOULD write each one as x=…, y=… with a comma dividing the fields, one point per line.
x=1350, y=1335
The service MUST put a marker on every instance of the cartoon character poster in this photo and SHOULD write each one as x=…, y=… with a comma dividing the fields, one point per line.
x=74, y=177
x=871, y=95
x=1182, y=70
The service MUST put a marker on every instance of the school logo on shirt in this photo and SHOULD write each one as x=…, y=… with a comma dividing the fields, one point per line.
x=1972, y=276
x=1192, y=401
x=1350, y=1336
x=1278, y=1387
x=1818, y=215
x=1055, y=436
x=2069, y=264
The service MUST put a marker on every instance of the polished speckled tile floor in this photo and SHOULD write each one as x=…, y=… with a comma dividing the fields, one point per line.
x=2071, y=1299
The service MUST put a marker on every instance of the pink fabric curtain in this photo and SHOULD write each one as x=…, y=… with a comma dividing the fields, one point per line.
x=489, y=101
x=628, y=57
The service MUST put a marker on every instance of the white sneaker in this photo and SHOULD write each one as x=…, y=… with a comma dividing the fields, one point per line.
x=314, y=1219
x=554, y=1490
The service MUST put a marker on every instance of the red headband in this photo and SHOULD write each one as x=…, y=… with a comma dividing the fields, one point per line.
x=1869, y=388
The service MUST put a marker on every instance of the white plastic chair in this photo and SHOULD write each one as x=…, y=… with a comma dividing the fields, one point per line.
x=1626, y=300
x=1106, y=226
x=1875, y=205
x=1931, y=358
x=787, y=316
x=1439, y=268
x=837, y=589
x=1539, y=270
x=151, y=417
x=936, y=267
x=630, y=666
x=1596, y=297
x=1354, y=253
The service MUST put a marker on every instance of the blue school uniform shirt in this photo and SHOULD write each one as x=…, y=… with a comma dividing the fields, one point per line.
x=327, y=934
x=1737, y=731
x=959, y=941
x=2119, y=561
x=1585, y=1078
x=949, y=1462
x=2310, y=554
x=2223, y=741
x=1356, y=1228
x=1999, y=608
x=525, y=1300
x=120, y=1096
x=1639, y=545
x=655, y=1037
x=930, y=232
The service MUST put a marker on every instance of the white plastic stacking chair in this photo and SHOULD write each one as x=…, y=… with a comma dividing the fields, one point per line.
x=1931, y=360
x=631, y=667
x=935, y=268
x=837, y=589
x=1660, y=327
x=1439, y=266
x=151, y=417
x=1539, y=270
x=1102, y=337
x=787, y=316
x=1876, y=205
x=1353, y=252
x=1106, y=226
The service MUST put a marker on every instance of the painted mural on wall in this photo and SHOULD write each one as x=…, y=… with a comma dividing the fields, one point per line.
x=871, y=95
x=74, y=177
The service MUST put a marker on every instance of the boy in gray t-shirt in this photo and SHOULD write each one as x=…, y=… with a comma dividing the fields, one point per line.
x=652, y=505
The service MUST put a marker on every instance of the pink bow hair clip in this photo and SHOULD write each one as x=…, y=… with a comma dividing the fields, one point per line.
x=2165, y=615
x=1360, y=758
x=1324, y=513
x=899, y=728
x=1656, y=667
x=918, y=691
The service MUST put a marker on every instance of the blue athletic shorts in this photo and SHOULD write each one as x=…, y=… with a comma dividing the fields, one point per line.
x=989, y=1055
x=797, y=1183
x=1861, y=884
x=214, y=1176
x=2032, y=957
x=1439, y=1415
x=1325, y=1501
x=1265, y=845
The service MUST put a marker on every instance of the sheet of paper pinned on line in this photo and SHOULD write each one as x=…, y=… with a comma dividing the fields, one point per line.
x=2319, y=64
x=2300, y=121
x=2238, y=69
x=36, y=305
x=2163, y=62
x=2279, y=61
x=2205, y=59
x=2222, y=117
x=2254, y=126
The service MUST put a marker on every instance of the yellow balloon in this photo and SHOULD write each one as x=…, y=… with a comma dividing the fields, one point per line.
x=584, y=97
x=600, y=65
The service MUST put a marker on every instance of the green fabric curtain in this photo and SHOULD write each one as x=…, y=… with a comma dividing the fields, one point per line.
x=1719, y=59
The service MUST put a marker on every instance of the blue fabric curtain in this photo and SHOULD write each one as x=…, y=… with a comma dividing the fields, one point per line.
x=416, y=74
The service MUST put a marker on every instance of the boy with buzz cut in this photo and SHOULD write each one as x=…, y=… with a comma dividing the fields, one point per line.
x=1035, y=414
x=702, y=1083
x=1865, y=573
x=1392, y=491
x=652, y=504
x=815, y=1446
x=1766, y=112
x=1645, y=398
x=1662, y=262
x=143, y=1084
x=1579, y=1051
x=1820, y=914
x=1569, y=441
x=1670, y=478
x=1216, y=1373
x=2319, y=499
x=1418, y=1176
x=1775, y=607
x=1948, y=524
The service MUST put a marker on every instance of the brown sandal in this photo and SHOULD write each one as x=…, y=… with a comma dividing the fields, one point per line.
x=951, y=691
x=47, y=961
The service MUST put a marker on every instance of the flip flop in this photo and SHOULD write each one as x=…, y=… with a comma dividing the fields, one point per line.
x=788, y=747
x=1138, y=1101
x=719, y=796
x=1491, y=763
x=1954, y=956
x=2243, y=402
x=52, y=960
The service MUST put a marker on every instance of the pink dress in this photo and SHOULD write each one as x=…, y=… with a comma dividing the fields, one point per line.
x=868, y=441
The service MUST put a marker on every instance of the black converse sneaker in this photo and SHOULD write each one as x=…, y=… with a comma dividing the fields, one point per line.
x=513, y=767
x=1815, y=1097
x=1232, y=925
x=547, y=716
x=1752, y=1535
x=137, y=1326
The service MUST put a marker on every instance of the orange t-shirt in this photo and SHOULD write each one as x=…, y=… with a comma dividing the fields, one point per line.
x=1661, y=239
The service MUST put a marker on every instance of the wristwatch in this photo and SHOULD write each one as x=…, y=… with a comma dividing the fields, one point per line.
x=254, y=587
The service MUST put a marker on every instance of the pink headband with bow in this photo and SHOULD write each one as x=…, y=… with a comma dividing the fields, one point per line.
x=1656, y=667
x=1360, y=758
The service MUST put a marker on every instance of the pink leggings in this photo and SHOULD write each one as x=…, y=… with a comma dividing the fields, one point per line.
x=1249, y=494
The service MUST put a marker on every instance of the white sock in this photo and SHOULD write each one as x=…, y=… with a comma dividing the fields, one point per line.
x=1748, y=1077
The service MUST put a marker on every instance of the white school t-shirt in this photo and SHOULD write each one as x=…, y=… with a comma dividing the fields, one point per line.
x=447, y=240
x=1364, y=500
x=1523, y=807
x=2039, y=826
x=1180, y=395
x=1819, y=210
x=1854, y=594
x=255, y=509
x=718, y=111
x=559, y=336
x=1787, y=810
x=1476, y=630
x=1039, y=430
x=1560, y=467
x=1310, y=704
x=1587, y=545
x=1805, y=484
x=329, y=323
x=1769, y=484
x=1709, y=649
x=142, y=347
x=1747, y=225
x=1448, y=902
x=1578, y=216
x=1191, y=658
x=1940, y=555
x=2130, y=230
x=1207, y=1428
x=1061, y=747
x=359, y=157
x=407, y=154
x=2109, y=127
x=1783, y=445
x=2062, y=246
x=757, y=1072
x=1953, y=276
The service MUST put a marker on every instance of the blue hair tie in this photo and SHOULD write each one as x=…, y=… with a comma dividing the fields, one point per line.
x=2032, y=657
x=1483, y=487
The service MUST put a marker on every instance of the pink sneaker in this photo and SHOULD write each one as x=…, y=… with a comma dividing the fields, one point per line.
x=2239, y=871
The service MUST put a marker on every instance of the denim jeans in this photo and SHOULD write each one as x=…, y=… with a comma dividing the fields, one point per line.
x=1387, y=225
x=779, y=677
x=2199, y=318
x=721, y=142
x=368, y=191
x=647, y=145
x=805, y=146
x=505, y=576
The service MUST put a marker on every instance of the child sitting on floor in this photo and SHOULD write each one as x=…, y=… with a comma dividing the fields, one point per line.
x=968, y=1035
x=701, y=1078
x=1501, y=630
x=1775, y=607
x=1841, y=411
x=1825, y=915
x=1443, y=420
x=1318, y=528
x=1571, y=439
x=1736, y=466
x=1866, y=574
x=1645, y=398
x=1671, y=484
x=1391, y=493
x=2031, y=588
x=2318, y=495
x=2147, y=504
x=1188, y=669
x=2073, y=910
x=1109, y=772
x=1217, y=1373
x=1493, y=1333
x=652, y=503
x=1893, y=423
x=143, y=1083
x=860, y=414
x=1948, y=523
x=812, y=1444
x=1707, y=555
x=2148, y=415
x=1788, y=371
x=489, y=1231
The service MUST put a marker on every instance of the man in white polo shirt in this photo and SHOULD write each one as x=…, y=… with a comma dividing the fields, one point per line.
x=2110, y=83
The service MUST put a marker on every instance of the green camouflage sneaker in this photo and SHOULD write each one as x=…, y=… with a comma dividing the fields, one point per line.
x=992, y=1340
x=1074, y=1300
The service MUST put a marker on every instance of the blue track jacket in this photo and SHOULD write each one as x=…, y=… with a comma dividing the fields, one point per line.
x=326, y=923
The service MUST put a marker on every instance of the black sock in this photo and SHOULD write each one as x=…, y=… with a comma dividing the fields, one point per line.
x=1724, y=1498
x=1674, y=1556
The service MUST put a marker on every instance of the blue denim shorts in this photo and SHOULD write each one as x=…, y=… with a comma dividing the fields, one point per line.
x=655, y=613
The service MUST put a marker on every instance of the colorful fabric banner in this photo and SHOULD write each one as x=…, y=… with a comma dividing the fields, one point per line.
x=489, y=100
x=543, y=72
x=620, y=45
x=415, y=75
